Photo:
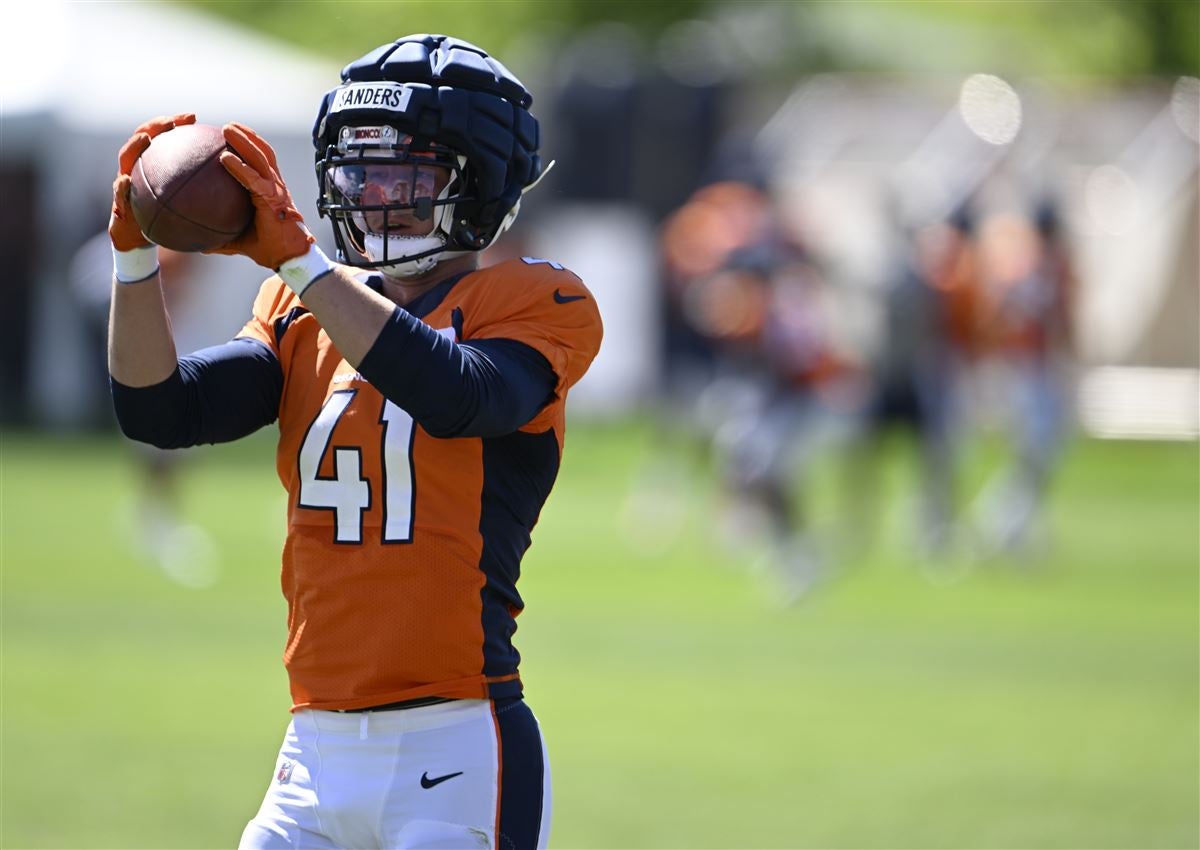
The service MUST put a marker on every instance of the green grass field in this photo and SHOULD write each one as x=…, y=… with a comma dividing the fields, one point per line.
x=1051, y=704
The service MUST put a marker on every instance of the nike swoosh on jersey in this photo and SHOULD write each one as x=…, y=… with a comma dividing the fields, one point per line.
x=566, y=299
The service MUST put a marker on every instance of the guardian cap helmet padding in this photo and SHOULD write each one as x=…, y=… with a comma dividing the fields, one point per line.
x=423, y=98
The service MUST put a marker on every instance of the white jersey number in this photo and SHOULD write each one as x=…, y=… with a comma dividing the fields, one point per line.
x=348, y=492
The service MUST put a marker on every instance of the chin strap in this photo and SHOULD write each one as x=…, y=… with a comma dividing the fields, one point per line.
x=410, y=268
x=374, y=246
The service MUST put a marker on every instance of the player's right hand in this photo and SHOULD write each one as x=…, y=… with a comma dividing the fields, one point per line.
x=277, y=233
x=122, y=227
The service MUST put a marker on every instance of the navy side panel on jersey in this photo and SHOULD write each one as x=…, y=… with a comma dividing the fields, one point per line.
x=518, y=471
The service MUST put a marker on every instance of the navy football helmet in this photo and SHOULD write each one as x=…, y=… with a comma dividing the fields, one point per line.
x=448, y=129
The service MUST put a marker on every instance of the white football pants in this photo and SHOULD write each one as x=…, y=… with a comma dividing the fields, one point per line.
x=463, y=774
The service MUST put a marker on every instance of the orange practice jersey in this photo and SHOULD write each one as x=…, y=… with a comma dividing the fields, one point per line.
x=403, y=550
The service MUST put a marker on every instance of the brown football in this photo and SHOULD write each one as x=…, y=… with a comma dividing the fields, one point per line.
x=182, y=197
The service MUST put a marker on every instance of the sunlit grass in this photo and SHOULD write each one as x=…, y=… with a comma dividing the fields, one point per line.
x=1047, y=703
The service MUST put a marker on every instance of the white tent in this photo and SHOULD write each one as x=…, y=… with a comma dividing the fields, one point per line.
x=108, y=66
x=75, y=79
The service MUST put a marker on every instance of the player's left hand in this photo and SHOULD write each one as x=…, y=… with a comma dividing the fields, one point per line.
x=277, y=232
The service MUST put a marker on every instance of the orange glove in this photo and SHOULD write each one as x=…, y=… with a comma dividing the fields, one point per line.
x=122, y=227
x=277, y=233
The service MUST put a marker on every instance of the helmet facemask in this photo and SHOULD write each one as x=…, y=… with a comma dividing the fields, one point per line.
x=391, y=200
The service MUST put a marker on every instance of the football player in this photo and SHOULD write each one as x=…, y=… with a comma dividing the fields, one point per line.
x=1027, y=312
x=420, y=401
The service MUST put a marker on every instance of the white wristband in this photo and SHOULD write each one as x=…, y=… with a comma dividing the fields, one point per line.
x=137, y=265
x=300, y=272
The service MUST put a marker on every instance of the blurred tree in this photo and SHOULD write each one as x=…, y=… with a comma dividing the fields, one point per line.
x=1172, y=32
x=1106, y=38
x=1115, y=38
x=344, y=29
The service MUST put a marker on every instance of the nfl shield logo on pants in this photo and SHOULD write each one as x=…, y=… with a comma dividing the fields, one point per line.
x=285, y=772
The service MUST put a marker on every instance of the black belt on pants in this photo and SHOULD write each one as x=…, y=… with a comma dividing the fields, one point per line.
x=399, y=706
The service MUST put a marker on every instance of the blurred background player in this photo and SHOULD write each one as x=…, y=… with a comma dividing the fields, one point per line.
x=751, y=371
x=795, y=406
x=182, y=550
x=1028, y=286
x=703, y=366
x=441, y=388
x=696, y=242
x=926, y=346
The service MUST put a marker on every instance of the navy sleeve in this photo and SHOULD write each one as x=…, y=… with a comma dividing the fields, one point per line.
x=480, y=388
x=215, y=395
